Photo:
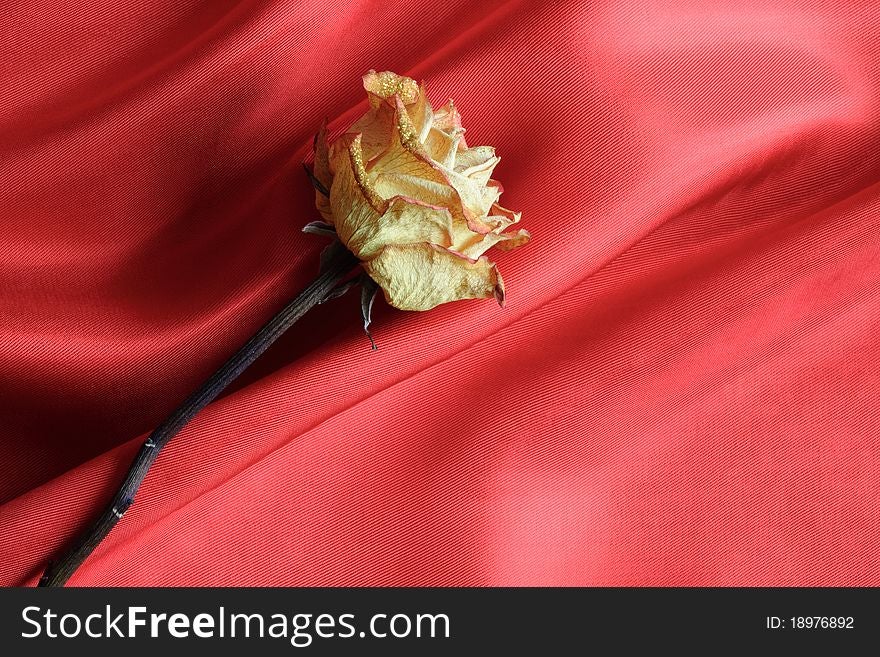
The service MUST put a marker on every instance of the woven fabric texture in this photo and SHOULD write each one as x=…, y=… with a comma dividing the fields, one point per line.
x=681, y=390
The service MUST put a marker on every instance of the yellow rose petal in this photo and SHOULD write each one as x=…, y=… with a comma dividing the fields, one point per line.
x=421, y=276
x=421, y=115
x=473, y=157
x=478, y=244
x=406, y=221
x=375, y=130
x=386, y=84
x=406, y=169
x=443, y=146
x=447, y=118
x=354, y=204
x=480, y=174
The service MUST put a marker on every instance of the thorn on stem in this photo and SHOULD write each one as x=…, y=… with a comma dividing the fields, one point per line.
x=122, y=508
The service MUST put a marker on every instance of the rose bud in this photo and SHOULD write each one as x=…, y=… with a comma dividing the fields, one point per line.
x=412, y=201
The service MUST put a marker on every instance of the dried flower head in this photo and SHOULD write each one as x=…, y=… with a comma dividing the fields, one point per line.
x=412, y=201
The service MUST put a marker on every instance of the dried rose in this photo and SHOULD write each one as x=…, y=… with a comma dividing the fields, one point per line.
x=412, y=201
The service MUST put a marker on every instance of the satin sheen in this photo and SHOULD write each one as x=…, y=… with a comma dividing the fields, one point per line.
x=681, y=390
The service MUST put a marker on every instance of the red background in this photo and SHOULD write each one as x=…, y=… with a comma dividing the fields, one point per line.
x=682, y=388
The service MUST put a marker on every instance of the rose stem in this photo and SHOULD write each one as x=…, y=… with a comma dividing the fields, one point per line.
x=338, y=264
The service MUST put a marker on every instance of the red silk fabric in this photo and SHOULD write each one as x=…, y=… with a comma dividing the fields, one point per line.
x=682, y=389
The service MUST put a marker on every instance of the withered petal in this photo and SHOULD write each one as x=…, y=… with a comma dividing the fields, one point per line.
x=422, y=276
x=353, y=202
x=387, y=84
x=405, y=221
x=472, y=157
